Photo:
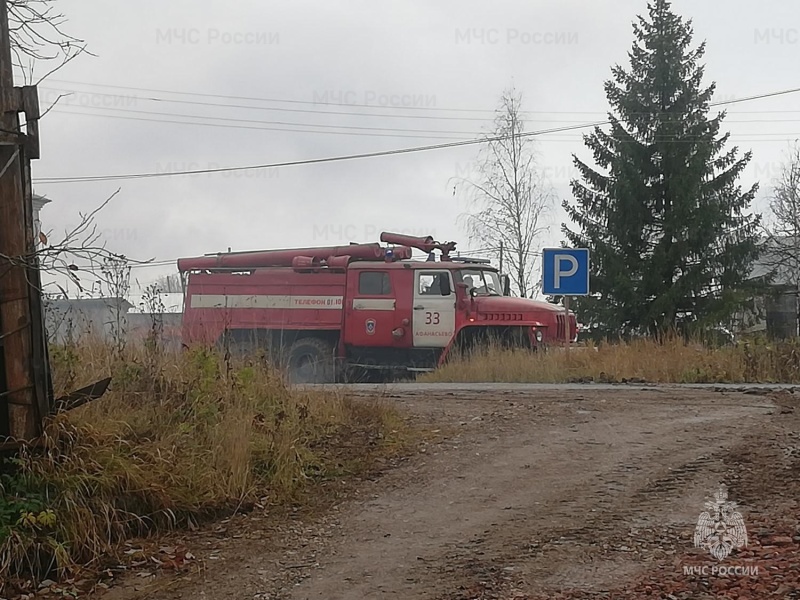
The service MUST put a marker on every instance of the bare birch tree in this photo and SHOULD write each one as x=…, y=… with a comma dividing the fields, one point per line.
x=781, y=250
x=510, y=197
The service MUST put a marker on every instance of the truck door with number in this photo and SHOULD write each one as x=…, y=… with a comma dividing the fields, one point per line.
x=434, y=314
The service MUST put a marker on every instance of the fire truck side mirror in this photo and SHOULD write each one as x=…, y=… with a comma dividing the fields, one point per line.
x=506, y=285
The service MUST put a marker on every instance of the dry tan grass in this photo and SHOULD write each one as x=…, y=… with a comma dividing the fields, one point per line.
x=177, y=439
x=673, y=361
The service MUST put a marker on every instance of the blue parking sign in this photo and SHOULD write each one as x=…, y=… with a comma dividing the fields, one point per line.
x=565, y=271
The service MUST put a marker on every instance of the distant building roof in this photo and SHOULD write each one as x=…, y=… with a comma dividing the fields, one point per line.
x=171, y=302
x=774, y=261
x=135, y=303
x=89, y=303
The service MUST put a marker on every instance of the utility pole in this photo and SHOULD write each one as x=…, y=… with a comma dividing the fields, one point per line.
x=25, y=388
x=501, y=257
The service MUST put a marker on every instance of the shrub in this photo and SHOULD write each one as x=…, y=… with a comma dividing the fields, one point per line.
x=174, y=441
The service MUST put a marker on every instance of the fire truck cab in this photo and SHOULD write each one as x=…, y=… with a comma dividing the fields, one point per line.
x=323, y=313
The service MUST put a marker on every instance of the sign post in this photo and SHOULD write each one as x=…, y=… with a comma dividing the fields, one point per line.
x=565, y=272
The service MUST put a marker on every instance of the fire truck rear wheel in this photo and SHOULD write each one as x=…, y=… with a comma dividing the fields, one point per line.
x=311, y=360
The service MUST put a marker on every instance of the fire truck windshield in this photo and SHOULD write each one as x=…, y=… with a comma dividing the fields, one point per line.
x=486, y=283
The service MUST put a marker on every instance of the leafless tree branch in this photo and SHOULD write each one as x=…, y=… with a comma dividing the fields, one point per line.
x=80, y=253
x=53, y=105
x=37, y=36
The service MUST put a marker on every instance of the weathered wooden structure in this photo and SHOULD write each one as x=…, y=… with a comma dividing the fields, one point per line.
x=26, y=395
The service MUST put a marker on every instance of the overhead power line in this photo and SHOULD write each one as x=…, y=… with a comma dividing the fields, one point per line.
x=348, y=114
x=276, y=100
x=290, y=110
x=303, y=162
x=341, y=158
x=430, y=135
x=286, y=123
x=334, y=112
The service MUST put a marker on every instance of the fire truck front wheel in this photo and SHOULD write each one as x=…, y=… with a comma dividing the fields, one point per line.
x=311, y=360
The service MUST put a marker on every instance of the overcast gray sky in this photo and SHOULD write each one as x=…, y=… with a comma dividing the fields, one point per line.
x=446, y=61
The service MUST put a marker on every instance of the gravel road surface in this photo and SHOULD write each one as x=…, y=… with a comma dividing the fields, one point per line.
x=540, y=491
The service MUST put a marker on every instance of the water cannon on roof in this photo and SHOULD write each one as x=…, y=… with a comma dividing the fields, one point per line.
x=315, y=259
x=311, y=259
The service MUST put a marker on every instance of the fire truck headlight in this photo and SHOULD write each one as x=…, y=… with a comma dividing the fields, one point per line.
x=539, y=335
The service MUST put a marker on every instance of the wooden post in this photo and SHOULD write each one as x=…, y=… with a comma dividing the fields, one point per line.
x=22, y=356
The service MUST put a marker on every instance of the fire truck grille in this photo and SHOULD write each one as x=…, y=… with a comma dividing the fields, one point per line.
x=502, y=317
x=561, y=326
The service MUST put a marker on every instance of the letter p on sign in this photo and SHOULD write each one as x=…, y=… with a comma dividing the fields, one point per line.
x=565, y=271
x=560, y=272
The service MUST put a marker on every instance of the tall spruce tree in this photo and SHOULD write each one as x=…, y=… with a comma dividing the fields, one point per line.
x=663, y=214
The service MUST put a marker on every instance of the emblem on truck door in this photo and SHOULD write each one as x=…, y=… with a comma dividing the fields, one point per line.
x=370, y=325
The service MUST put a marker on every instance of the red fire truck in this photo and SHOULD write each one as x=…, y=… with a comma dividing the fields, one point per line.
x=327, y=312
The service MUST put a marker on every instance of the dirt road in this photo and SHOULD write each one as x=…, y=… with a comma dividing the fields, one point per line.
x=577, y=491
